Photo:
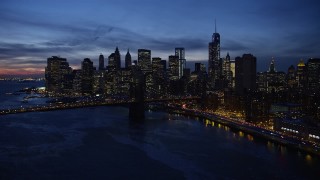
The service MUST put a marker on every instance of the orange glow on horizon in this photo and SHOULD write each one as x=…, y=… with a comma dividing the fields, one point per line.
x=23, y=71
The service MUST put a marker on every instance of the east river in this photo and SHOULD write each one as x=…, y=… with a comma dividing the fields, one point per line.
x=101, y=143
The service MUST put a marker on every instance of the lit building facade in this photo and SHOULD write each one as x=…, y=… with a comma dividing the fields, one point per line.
x=173, y=70
x=313, y=67
x=159, y=76
x=112, y=82
x=114, y=60
x=271, y=80
x=180, y=52
x=214, y=63
x=98, y=82
x=55, y=74
x=233, y=71
x=144, y=60
x=226, y=72
x=77, y=74
x=125, y=81
x=301, y=76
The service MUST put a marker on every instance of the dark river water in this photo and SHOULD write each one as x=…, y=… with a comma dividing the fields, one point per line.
x=102, y=143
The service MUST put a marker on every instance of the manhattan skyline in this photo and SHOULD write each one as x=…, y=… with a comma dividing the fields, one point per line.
x=31, y=31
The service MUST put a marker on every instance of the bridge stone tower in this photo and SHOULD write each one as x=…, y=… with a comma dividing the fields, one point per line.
x=137, y=88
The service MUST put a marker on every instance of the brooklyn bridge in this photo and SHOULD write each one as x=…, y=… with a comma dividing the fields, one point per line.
x=136, y=106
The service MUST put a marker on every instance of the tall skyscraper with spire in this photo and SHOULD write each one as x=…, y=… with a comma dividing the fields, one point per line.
x=117, y=58
x=101, y=62
x=114, y=60
x=128, y=60
x=272, y=67
x=214, y=63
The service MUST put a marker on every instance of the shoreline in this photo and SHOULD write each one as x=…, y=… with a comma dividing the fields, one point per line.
x=258, y=132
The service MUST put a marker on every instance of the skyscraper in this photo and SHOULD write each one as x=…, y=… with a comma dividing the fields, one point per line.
x=128, y=60
x=291, y=77
x=173, y=67
x=55, y=72
x=114, y=60
x=226, y=65
x=275, y=81
x=144, y=60
x=111, y=62
x=313, y=67
x=164, y=65
x=159, y=75
x=117, y=58
x=87, y=76
x=214, y=63
x=272, y=67
x=180, y=52
x=98, y=82
x=101, y=62
x=246, y=70
x=301, y=76
x=233, y=72
x=157, y=67
x=197, y=67
x=76, y=84
x=125, y=81
x=226, y=72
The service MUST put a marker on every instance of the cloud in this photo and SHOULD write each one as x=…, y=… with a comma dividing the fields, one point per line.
x=32, y=35
x=90, y=42
x=300, y=44
x=233, y=45
x=282, y=13
x=17, y=50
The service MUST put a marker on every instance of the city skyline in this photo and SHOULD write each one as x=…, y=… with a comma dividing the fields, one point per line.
x=33, y=31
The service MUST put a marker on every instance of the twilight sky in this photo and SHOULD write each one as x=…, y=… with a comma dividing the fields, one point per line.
x=33, y=30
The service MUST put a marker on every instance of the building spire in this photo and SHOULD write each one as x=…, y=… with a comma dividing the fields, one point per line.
x=128, y=53
x=228, y=57
x=272, y=67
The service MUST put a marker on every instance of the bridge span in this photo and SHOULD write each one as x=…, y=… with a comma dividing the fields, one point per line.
x=91, y=103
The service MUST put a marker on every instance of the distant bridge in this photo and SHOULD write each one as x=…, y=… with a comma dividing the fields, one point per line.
x=60, y=106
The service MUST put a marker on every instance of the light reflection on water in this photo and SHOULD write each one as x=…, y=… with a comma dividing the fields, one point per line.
x=249, y=137
x=309, y=159
x=272, y=147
